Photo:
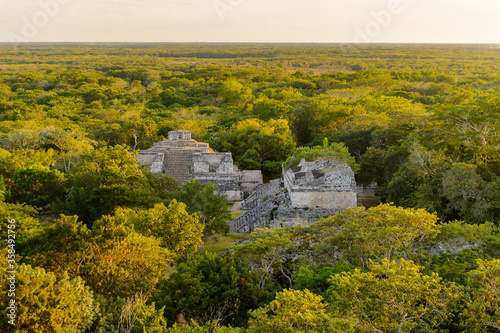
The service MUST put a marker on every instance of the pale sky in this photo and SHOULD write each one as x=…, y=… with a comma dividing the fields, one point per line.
x=378, y=21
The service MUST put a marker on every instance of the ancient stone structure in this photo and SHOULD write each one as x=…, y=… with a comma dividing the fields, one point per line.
x=321, y=184
x=306, y=193
x=186, y=159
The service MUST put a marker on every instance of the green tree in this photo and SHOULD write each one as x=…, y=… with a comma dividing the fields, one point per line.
x=318, y=282
x=297, y=311
x=137, y=316
x=23, y=139
x=70, y=143
x=469, y=194
x=122, y=261
x=328, y=114
x=45, y=303
x=235, y=93
x=381, y=232
x=454, y=267
x=269, y=141
x=62, y=247
x=418, y=182
x=210, y=327
x=378, y=165
x=178, y=231
x=266, y=253
x=213, y=288
x=457, y=235
x=210, y=206
x=482, y=311
x=141, y=132
x=10, y=162
x=107, y=178
x=114, y=260
x=337, y=151
x=357, y=141
x=37, y=185
x=25, y=222
x=469, y=131
x=166, y=186
x=272, y=109
x=392, y=297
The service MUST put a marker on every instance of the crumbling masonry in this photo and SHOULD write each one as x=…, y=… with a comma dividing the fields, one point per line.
x=186, y=160
x=305, y=194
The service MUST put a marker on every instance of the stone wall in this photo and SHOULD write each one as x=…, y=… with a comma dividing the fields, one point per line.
x=332, y=199
x=324, y=175
x=260, y=205
x=157, y=163
x=235, y=195
x=179, y=135
x=258, y=217
x=225, y=165
x=219, y=163
x=249, y=179
x=199, y=164
x=176, y=163
x=324, y=184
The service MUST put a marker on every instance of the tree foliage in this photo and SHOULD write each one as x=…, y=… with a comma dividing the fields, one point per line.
x=422, y=130
x=45, y=303
x=337, y=151
x=255, y=143
x=178, y=231
x=213, y=289
x=382, y=232
x=105, y=179
x=482, y=311
x=297, y=311
x=392, y=297
x=208, y=204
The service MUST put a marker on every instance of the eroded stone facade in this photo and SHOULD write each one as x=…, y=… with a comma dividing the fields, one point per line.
x=307, y=193
x=321, y=184
x=186, y=160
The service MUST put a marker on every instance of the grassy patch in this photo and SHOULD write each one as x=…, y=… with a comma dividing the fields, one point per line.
x=218, y=243
x=236, y=214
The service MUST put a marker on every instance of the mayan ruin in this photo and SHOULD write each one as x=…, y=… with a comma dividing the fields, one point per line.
x=306, y=193
x=187, y=160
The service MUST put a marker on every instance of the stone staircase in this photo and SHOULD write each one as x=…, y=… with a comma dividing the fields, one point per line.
x=177, y=165
x=258, y=217
x=254, y=199
x=260, y=204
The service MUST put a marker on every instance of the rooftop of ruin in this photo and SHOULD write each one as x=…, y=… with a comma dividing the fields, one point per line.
x=178, y=140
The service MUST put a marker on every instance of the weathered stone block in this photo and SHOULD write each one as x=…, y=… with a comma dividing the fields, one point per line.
x=179, y=135
x=320, y=199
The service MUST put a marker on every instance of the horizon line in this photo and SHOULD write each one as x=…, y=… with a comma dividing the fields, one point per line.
x=255, y=42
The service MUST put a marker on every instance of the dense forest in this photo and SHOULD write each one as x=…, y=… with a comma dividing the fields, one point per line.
x=102, y=245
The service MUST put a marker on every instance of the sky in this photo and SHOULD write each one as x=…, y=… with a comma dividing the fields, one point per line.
x=330, y=21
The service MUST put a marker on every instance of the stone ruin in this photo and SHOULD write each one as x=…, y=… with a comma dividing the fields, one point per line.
x=321, y=184
x=186, y=160
x=305, y=194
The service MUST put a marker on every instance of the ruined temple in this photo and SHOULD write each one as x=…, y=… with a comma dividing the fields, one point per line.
x=186, y=160
x=321, y=184
x=305, y=194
